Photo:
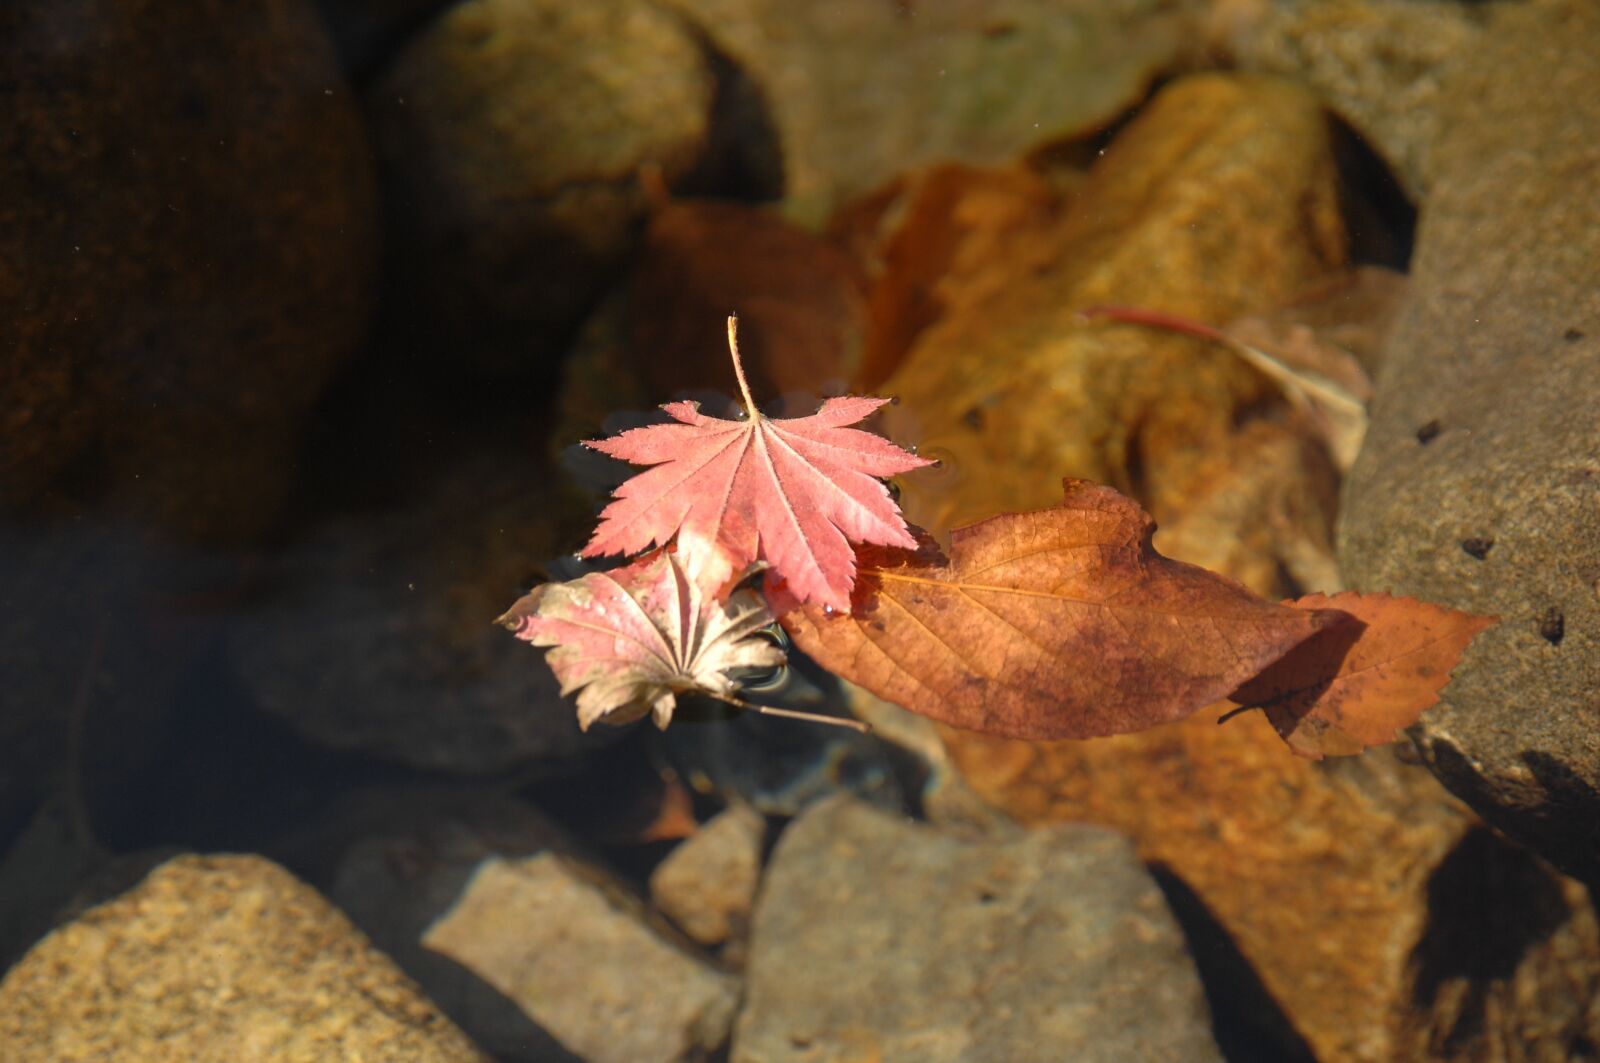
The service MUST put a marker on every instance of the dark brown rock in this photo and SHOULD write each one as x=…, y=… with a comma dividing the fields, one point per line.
x=1508, y=253
x=185, y=211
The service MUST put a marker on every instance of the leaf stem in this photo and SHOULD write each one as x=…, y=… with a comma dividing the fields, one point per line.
x=792, y=714
x=1134, y=315
x=738, y=366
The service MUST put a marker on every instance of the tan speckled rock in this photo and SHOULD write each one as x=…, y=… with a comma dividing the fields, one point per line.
x=225, y=959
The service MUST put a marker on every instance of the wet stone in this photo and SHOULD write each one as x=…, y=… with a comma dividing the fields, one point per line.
x=376, y=634
x=879, y=938
x=515, y=132
x=1507, y=251
x=218, y=959
x=174, y=305
x=707, y=885
x=577, y=956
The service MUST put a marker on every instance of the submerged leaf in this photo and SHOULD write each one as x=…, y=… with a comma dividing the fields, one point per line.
x=634, y=638
x=1358, y=684
x=1059, y=623
x=794, y=492
x=1323, y=382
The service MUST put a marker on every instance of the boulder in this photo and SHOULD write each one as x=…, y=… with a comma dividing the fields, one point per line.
x=215, y=959
x=856, y=93
x=514, y=133
x=880, y=938
x=186, y=215
x=576, y=954
x=1479, y=485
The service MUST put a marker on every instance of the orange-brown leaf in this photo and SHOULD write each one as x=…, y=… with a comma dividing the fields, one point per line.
x=1058, y=623
x=1357, y=685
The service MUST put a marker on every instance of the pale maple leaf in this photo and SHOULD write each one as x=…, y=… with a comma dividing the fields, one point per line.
x=633, y=639
x=793, y=492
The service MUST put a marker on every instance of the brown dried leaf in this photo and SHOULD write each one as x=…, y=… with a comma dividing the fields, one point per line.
x=1358, y=684
x=1058, y=623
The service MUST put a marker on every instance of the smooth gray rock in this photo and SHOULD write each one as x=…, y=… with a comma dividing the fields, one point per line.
x=1479, y=485
x=376, y=633
x=403, y=858
x=577, y=955
x=878, y=938
x=857, y=93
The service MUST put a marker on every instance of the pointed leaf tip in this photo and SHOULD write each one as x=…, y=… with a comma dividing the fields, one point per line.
x=1360, y=684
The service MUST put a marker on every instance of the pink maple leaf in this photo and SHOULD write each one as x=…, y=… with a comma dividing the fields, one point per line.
x=793, y=492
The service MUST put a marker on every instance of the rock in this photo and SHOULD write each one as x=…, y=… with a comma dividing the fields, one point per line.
x=1239, y=827
x=177, y=302
x=367, y=32
x=1379, y=64
x=95, y=639
x=1479, y=486
x=929, y=243
x=402, y=858
x=514, y=132
x=707, y=884
x=1218, y=201
x=858, y=93
x=577, y=956
x=377, y=634
x=218, y=958
x=663, y=333
x=877, y=938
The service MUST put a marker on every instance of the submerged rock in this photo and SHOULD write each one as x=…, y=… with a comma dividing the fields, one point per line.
x=402, y=860
x=859, y=92
x=1479, y=486
x=218, y=958
x=575, y=953
x=187, y=224
x=514, y=132
x=707, y=884
x=1380, y=64
x=877, y=938
x=377, y=634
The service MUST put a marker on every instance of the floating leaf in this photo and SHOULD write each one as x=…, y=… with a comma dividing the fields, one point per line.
x=794, y=492
x=633, y=639
x=1058, y=623
x=1358, y=684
